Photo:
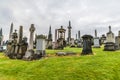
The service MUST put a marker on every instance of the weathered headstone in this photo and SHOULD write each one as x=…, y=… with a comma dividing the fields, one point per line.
x=40, y=46
x=87, y=45
x=96, y=40
x=110, y=42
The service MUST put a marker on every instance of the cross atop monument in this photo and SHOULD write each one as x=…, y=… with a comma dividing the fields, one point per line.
x=32, y=28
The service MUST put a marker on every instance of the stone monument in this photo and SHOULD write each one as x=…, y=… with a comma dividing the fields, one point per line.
x=60, y=37
x=69, y=33
x=110, y=42
x=79, y=43
x=117, y=41
x=17, y=45
x=21, y=46
x=29, y=55
x=96, y=41
x=40, y=46
x=1, y=37
x=49, y=40
x=11, y=46
x=87, y=45
x=11, y=31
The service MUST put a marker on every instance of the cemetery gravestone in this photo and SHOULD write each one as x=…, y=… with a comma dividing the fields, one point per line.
x=110, y=42
x=96, y=40
x=87, y=45
x=40, y=46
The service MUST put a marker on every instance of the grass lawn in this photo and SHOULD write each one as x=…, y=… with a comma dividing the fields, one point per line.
x=104, y=65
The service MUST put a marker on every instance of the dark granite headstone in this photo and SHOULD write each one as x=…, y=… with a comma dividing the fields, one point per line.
x=87, y=45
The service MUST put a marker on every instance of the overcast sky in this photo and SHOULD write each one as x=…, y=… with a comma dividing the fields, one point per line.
x=85, y=15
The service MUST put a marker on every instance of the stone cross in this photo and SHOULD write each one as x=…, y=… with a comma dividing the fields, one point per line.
x=32, y=29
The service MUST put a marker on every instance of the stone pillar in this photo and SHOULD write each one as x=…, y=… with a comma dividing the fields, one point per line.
x=79, y=35
x=55, y=35
x=95, y=33
x=76, y=36
x=79, y=42
x=49, y=39
x=1, y=37
x=20, y=34
x=87, y=45
x=40, y=46
x=18, y=50
x=11, y=31
x=69, y=33
x=32, y=29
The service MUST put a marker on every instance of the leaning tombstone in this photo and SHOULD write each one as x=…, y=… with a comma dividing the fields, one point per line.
x=40, y=46
x=87, y=45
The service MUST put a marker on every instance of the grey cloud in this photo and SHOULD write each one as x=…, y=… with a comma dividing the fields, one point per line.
x=85, y=15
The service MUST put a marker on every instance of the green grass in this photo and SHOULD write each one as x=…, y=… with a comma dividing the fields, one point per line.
x=104, y=65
